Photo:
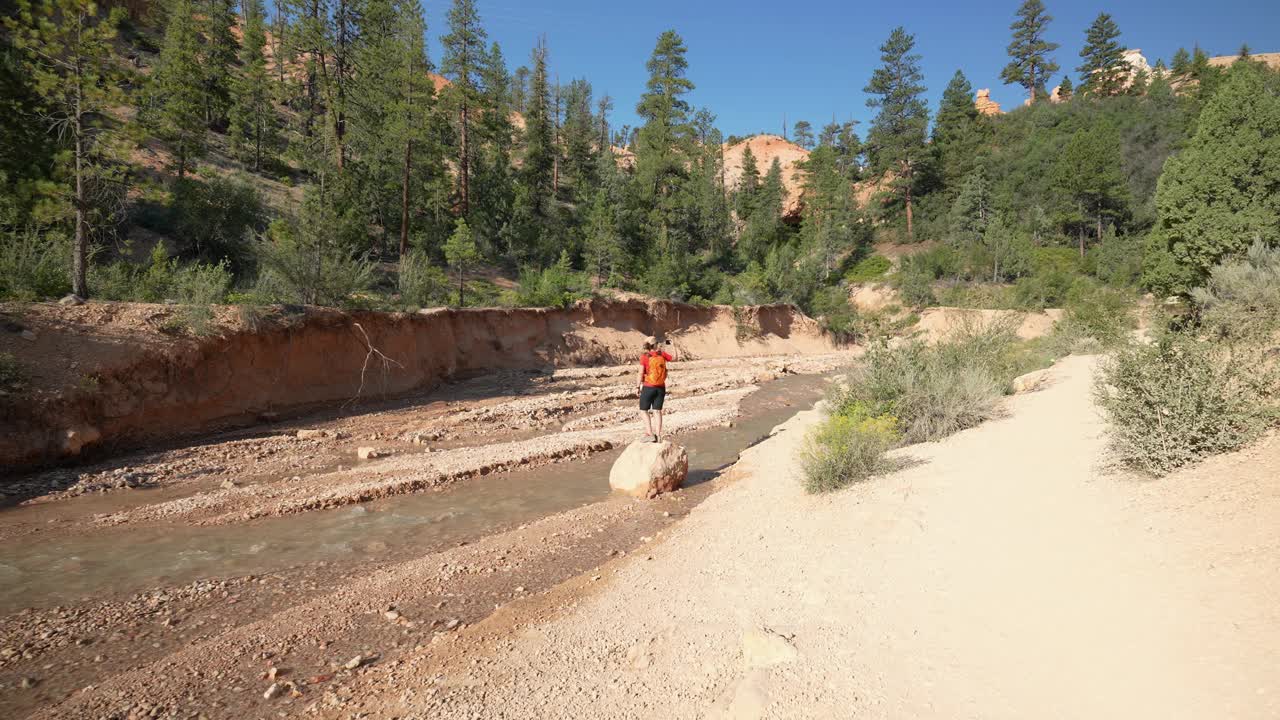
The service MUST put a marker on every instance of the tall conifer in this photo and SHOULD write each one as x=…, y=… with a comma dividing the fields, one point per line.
x=1030, y=65
x=897, y=137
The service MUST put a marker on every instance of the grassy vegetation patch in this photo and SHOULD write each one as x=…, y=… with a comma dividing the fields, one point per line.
x=913, y=393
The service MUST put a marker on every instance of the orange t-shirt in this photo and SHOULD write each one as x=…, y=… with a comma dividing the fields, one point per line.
x=655, y=368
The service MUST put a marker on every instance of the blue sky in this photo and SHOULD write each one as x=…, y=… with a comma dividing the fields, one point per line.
x=754, y=61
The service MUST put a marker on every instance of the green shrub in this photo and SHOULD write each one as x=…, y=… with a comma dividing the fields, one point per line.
x=847, y=448
x=936, y=263
x=1042, y=290
x=34, y=266
x=934, y=391
x=979, y=295
x=915, y=287
x=216, y=217
x=422, y=284
x=554, y=286
x=1102, y=314
x=12, y=376
x=869, y=268
x=308, y=264
x=836, y=315
x=1241, y=298
x=913, y=393
x=126, y=281
x=1180, y=399
x=483, y=293
x=930, y=398
x=1117, y=260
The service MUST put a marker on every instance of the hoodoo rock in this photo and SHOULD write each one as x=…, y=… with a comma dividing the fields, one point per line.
x=984, y=104
x=647, y=469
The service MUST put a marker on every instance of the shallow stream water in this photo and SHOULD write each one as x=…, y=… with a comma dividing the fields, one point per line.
x=41, y=569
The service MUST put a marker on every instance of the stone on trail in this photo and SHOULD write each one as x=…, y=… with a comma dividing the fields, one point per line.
x=647, y=469
x=71, y=299
x=368, y=453
x=1030, y=382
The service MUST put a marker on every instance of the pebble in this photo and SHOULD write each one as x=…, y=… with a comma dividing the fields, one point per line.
x=28, y=683
x=272, y=692
x=391, y=615
x=354, y=662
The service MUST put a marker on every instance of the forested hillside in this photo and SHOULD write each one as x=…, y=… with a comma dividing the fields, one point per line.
x=207, y=151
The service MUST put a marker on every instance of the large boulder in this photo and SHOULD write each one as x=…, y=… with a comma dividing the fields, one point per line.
x=648, y=469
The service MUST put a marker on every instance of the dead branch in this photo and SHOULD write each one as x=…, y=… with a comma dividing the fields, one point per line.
x=372, y=351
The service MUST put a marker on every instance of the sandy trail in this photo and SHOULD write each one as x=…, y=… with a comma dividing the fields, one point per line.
x=1004, y=575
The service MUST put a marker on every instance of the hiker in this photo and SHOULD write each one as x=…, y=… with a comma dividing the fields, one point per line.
x=653, y=384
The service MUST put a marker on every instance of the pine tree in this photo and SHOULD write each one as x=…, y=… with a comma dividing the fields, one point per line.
x=802, y=134
x=971, y=212
x=1103, y=71
x=1030, y=66
x=957, y=136
x=663, y=142
x=464, y=50
x=603, y=108
x=829, y=226
x=848, y=147
x=711, y=222
x=539, y=137
x=748, y=185
x=579, y=139
x=411, y=114
x=69, y=55
x=1221, y=192
x=253, y=115
x=337, y=70
x=461, y=253
x=520, y=88
x=178, y=89
x=1091, y=180
x=1181, y=66
x=897, y=136
x=217, y=58
x=763, y=227
x=603, y=243
x=1065, y=89
x=494, y=141
x=1138, y=83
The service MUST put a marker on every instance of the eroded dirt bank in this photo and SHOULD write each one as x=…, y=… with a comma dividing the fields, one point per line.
x=109, y=375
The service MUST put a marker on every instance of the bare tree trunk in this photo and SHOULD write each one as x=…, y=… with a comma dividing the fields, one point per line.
x=906, y=196
x=276, y=35
x=555, y=143
x=80, y=259
x=911, y=233
x=404, y=199
x=464, y=169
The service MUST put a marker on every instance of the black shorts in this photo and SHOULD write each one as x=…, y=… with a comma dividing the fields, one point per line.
x=652, y=397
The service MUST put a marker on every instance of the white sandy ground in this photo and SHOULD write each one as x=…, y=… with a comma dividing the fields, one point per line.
x=1006, y=574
